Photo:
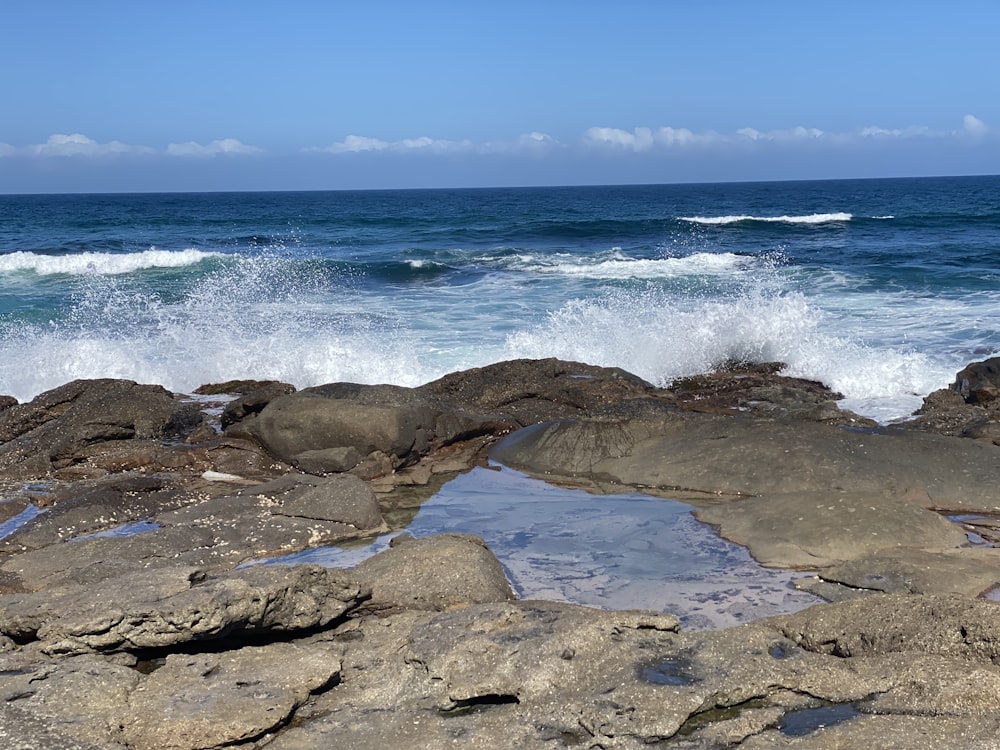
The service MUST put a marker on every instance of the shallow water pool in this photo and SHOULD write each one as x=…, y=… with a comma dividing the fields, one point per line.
x=628, y=551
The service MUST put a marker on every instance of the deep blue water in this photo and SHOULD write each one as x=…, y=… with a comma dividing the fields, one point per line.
x=880, y=288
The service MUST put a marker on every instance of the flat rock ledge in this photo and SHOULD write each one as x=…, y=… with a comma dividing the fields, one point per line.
x=147, y=606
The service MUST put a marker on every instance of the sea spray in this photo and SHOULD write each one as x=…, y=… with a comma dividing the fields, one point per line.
x=660, y=339
x=249, y=319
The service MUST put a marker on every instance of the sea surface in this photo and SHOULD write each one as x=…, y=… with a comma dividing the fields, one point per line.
x=882, y=289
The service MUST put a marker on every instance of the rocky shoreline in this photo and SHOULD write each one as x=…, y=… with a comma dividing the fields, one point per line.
x=131, y=619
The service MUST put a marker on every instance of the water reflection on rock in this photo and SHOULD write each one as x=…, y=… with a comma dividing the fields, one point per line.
x=627, y=551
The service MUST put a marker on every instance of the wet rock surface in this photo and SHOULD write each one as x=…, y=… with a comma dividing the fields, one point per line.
x=129, y=620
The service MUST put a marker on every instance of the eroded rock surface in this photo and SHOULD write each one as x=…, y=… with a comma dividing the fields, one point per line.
x=443, y=572
x=214, y=534
x=819, y=529
x=159, y=640
x=66, y=425
x=165, y=607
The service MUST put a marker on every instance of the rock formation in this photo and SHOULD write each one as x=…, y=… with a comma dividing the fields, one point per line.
x=142, y=608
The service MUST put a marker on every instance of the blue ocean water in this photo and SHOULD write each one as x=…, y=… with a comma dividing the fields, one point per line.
x=882, y=289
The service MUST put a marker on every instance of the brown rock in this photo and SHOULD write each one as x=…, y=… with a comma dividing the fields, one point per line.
x=435, y=573
x=56, y=429
x=253, y=401
x=817, y=529
x=216, y=700
x=979, y=383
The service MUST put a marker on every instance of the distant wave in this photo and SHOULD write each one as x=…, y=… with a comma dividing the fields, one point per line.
x=697, y=264
x=103, y=264
x=805, y=219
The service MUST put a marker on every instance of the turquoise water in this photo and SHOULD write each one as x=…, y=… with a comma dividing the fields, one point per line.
x=882, y=289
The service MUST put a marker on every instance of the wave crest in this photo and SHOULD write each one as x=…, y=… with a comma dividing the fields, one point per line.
x=102, y=264
x=804, y=219
x=621, y=267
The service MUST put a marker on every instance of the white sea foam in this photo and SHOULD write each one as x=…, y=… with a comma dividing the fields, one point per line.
x=661, y=339
x=805, y=219
x=100, y=263
x=419, y=263
x=623, y=267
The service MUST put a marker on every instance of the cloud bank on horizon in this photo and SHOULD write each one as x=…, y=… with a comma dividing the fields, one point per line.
x=667, y=154
x=639, y=139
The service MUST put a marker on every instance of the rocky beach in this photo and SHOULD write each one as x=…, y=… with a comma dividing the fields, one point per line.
x=132, y=617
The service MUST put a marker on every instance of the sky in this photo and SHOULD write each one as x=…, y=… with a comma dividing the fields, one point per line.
x=126, y=96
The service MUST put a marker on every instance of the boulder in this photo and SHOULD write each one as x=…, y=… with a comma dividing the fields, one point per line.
x=757, y=388
x=979, y=382
x=253, y=400
x=945, y=411
x=540, y=674
x=969, y=572
x=89, y=507
x=375, y=430
x=527, y=391
x=389, y=421
x=436, y=573
x=243, y=387
x=945, y=625
x=69, y=704
x=61, y=427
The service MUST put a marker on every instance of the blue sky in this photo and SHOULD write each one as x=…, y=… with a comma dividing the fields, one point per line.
x=114, y=95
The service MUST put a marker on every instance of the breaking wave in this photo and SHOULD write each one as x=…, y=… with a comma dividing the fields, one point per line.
x=621, y=267
x=104, y=264
x=804, y=219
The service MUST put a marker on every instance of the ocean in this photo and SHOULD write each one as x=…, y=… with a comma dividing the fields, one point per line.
x=881, y=289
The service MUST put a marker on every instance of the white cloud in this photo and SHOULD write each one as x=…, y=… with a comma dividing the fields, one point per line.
x=534, y=143
x=643, y=139
x=680, y=136
x=974, y=126
x=355, y=144
x=876, y=132
x=798, y=133
x=226, y=146
x=77, y=144
x=640, y=139
x=914, y=131
x=807, y=133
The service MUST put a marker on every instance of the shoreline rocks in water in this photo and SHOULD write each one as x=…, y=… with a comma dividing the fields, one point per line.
x=167, y=637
